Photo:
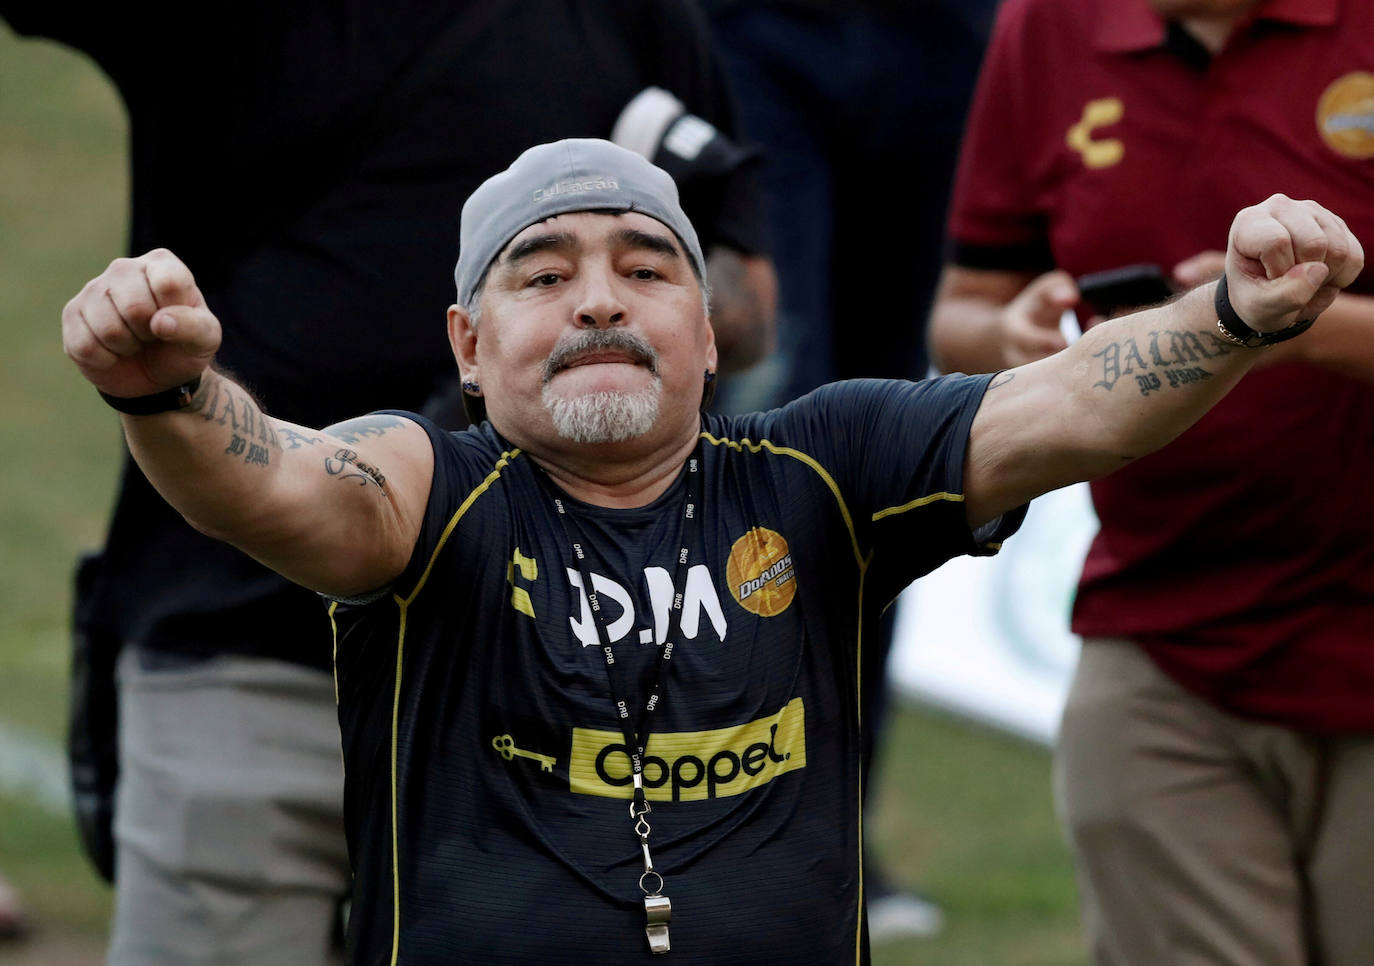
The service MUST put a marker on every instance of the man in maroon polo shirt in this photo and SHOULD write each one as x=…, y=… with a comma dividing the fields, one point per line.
x=1215, y=768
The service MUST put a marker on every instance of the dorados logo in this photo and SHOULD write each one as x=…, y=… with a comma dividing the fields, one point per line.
x=760, y=572
x=691, y=766
x=1345, y=115
x=572, y=187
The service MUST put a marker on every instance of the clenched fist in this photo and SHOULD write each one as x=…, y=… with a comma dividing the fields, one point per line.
x=140, y=327
x=1288, y=260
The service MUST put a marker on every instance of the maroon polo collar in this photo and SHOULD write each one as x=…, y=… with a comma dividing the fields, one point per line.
x=1129, y=25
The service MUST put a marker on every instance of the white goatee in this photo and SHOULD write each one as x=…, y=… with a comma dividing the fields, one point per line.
x=603, y=417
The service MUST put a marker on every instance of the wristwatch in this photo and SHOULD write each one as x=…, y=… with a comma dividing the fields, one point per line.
x=167, y=401
x=1235, y=331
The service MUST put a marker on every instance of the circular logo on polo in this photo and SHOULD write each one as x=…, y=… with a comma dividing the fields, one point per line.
x=1345, y=115
x=760, y=572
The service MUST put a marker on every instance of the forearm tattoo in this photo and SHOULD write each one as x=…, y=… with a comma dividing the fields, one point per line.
x=252, y=437
x=1171, y=358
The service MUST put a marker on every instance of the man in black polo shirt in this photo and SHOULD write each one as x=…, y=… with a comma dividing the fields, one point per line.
x=599, y=658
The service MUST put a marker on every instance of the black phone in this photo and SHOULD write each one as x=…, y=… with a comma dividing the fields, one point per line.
x=1128, y=287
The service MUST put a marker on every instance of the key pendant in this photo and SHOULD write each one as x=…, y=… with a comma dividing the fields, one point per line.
x=657, y=910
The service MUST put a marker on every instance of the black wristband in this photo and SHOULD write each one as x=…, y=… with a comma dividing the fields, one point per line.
x=167, y=401
x=1237, y=332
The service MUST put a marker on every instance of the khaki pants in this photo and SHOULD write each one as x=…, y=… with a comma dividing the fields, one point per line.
x=1201, y=838
x=228, y=822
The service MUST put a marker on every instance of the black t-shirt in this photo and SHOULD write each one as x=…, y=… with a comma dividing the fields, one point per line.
x=487, y=779
x=321, y=218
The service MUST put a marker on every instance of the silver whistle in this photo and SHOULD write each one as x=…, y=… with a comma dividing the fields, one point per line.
x=657, y=910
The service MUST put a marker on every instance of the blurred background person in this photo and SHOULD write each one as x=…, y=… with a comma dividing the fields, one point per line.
x=314, y=165
x=1215, y=769
x=858, y=109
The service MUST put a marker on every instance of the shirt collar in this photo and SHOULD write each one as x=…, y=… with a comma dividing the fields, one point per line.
x=1128, y=25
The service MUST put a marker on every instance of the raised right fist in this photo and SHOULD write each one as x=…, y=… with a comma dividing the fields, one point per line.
x=140, y=327
x=1288, y=260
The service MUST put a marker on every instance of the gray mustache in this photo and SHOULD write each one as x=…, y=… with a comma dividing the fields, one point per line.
x=596, y=340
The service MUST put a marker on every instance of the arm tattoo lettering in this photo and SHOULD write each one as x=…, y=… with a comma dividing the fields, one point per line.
x=1165, y=361
x=252, y=435
x=295, y=440
x=346, y=465
x=254, y=453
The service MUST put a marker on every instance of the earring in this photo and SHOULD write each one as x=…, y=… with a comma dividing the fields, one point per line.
x=471, y=388
x=710, y=377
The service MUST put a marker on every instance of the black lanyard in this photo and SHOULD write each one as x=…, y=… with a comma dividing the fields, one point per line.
x=636, y=733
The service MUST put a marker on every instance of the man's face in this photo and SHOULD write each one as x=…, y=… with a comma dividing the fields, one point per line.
x=592, y=330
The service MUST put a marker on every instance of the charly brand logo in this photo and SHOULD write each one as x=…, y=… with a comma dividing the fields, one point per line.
x=571, y=186
x=692, y=766
x=760, y=572
x=1345, y=115
x=1097, y=153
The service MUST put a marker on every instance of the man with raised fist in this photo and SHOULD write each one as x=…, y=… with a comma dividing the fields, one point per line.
x=602, y=596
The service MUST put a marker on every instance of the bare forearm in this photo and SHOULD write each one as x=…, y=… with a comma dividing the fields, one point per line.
x=1139, y=381
x=1126, y=388
x=288, y=495
x=215, y=461
x=304, y=502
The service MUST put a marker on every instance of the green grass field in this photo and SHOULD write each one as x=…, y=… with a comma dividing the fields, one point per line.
x=960, y=811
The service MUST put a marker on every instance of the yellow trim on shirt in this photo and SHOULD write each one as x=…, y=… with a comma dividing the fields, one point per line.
x=764, y=444
x=403, y=607
x=918, y=503
x=395, y=837
x=334, y=654
x=481, y=488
